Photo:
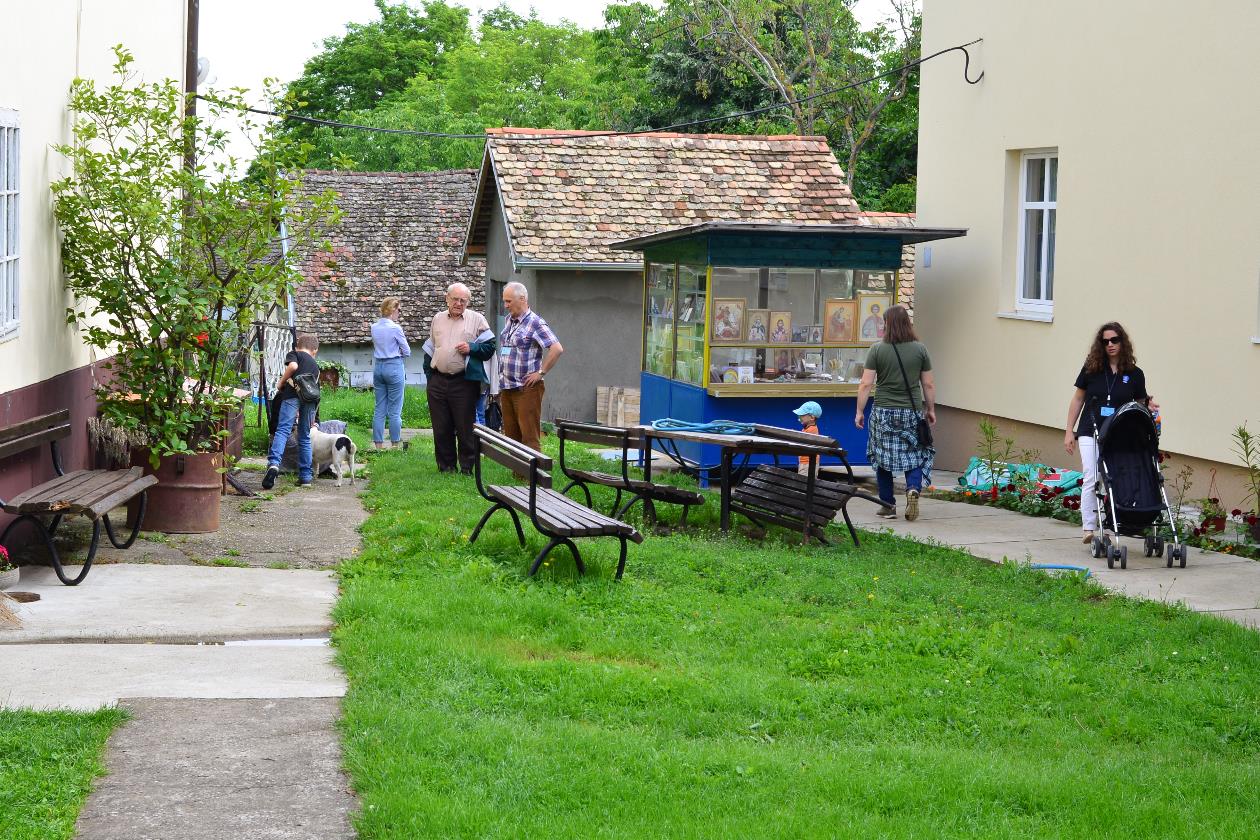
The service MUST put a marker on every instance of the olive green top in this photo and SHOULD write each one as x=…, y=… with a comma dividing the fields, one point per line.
x=890, y=387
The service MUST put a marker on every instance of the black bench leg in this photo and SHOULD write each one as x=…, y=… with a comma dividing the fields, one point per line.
x=135, y=531
x=616, y=504
x=46, y=535
x=626, y=507
x=682, y=523
x=520, y=535
x=558, y=541
x=621, y=561
x=585, y=490
x=844, y=508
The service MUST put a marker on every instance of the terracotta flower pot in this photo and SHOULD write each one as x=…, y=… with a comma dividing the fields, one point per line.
x=186, y=498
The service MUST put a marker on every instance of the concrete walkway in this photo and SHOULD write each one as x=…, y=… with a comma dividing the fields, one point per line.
x=226, y=671
x=1220, y=584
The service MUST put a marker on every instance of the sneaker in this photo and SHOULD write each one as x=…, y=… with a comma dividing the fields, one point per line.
x=269, y=478
x=306, y=483
x=886, y=513
x=1087, y=537
x=912, y=505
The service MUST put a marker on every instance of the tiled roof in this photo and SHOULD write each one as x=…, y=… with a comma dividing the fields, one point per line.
x=569, y=196
x=905, y=288
x=401, y=233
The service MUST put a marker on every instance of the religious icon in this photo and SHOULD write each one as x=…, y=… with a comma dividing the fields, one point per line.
x=871, y=311
x=780, y=327
x=840, y=320
x=758, y=325
x=728, y=319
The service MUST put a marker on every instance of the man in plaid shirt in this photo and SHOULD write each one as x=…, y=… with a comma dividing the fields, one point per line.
x=524, y=364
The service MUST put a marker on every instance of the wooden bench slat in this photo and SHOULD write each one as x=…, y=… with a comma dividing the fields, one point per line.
x=108, y=484
x=122, y=495
x=50, y=489
x=67, y=497
x=562, y=514
x=31, y=441
x=44, y=421
x=778, y=477
x=789, y=500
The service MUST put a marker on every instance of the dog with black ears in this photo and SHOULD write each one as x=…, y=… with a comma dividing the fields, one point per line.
x=336, y=452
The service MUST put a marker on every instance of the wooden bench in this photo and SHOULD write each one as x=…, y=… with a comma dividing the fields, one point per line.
x=90, y=493
x=784, y=496
x=626, y=440
x=553, y=514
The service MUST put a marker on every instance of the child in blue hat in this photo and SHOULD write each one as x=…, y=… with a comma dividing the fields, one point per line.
x=808, y=415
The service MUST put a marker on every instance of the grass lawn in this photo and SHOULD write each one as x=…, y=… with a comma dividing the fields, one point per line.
x=47, y=763
x=736, y=688
x=351, y=405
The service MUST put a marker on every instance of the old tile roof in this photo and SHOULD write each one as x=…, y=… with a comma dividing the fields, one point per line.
x=905, y=286
x=569, y=196
x=402, y=234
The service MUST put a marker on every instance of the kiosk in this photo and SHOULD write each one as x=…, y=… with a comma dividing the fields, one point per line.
x=745, y=321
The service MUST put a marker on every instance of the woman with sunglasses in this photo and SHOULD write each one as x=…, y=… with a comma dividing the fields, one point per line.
x=1109, y=379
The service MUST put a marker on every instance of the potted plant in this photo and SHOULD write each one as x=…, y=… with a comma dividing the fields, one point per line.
x=9, y=573
x=1211, y=515
x=169, y=257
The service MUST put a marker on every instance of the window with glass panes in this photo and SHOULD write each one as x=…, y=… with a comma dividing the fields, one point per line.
x=1038, y=198
x=10, y=230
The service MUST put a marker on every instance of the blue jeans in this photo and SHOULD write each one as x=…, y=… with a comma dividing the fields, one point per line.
x=884, y=478
x=388, y=377
x=303, y=413
x=481, y=407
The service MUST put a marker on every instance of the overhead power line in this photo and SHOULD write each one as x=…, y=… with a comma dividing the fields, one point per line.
x=674, y=127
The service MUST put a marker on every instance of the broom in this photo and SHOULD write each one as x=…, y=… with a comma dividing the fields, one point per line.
x=8, y=618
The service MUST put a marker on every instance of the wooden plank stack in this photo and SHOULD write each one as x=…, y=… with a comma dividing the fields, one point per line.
x=616, y=405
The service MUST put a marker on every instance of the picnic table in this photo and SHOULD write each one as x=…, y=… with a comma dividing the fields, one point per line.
x=781, y=495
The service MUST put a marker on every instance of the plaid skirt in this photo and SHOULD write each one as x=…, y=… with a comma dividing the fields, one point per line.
x=892, y=442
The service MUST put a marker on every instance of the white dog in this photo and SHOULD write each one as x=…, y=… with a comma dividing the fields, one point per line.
x=332, y=451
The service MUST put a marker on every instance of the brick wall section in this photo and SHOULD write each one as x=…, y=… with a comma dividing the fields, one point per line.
x=567, y=198
x=905, y=291
x=401, y=234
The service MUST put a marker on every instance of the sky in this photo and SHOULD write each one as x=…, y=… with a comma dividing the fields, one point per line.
x=246, y=41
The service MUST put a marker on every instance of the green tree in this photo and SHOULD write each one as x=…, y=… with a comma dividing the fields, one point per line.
x=168, y=263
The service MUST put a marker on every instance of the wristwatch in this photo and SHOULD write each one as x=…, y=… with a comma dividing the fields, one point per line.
x=541, y=375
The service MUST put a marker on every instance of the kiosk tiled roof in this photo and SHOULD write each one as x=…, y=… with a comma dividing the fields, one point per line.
x=570, y=194
x=401, y=233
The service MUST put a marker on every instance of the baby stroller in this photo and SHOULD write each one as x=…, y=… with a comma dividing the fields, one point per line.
x=1130, y=495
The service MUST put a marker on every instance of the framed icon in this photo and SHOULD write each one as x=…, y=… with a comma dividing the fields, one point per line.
x=871, y=309
x=840, y=320
x=728, y=320
x=780, y=327
x=758, y=325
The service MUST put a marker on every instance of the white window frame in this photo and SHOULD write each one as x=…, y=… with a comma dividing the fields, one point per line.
x=10, y=222
x=1043, y=305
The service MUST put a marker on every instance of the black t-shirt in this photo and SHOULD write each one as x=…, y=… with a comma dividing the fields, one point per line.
x=306, y=364
x=1107, y=389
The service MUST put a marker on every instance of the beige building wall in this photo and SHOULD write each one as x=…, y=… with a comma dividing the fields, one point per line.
x=50, y=43
x=1153, y=113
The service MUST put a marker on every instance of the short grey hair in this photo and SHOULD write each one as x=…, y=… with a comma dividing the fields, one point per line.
x=458, y=285
x=517, y=290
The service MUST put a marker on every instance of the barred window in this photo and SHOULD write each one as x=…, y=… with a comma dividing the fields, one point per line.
x=10, y=230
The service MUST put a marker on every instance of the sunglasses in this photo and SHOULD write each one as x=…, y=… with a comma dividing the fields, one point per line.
x=1115, y=339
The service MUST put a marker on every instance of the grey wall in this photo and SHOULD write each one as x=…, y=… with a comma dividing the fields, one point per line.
x=597, y=317
x=358, y=360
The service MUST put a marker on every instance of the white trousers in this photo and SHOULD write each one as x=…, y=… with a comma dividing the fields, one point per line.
x=1089, y=466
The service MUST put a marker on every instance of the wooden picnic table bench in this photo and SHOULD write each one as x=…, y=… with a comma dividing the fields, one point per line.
x=553, y=514
x=90, y=493
x=627, y=440
x=777, y=495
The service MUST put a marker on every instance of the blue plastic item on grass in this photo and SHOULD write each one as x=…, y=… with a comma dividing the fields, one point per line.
x=714, y=427
x=1061, y=566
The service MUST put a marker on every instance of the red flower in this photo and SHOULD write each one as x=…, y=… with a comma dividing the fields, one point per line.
x=202, y=338
x=1235, y=512
x=1251, y=519
x=1215, y=501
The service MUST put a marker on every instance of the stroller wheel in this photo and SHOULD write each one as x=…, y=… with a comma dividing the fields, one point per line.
x=1172, y=554
x=1096, y=548
x=1124, y=557
x=1147, y=547
x=1159, y=546
x=1111, y=556
x=1181, y=555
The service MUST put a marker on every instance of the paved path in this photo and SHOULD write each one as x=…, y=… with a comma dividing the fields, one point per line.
x=1221, y=584
x=226, y=671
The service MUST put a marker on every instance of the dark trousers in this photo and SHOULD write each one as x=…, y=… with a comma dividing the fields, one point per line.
x=453, y=408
